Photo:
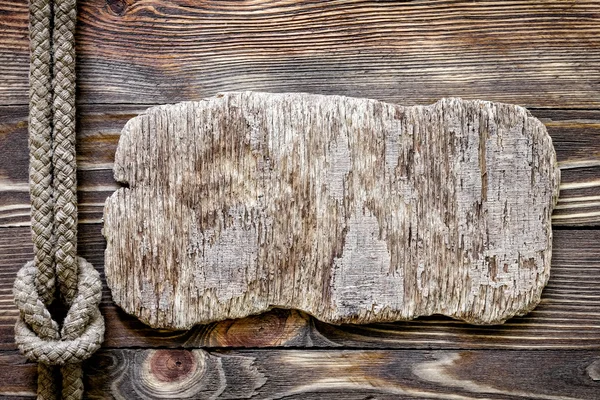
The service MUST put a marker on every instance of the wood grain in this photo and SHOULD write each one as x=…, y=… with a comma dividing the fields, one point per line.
x=567, y=317
x=535, y=54
x=539, y=54
x=306, y=374
x=391, y=212
x=575, y=135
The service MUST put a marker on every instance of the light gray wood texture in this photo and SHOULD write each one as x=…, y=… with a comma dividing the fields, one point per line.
x=352, y=210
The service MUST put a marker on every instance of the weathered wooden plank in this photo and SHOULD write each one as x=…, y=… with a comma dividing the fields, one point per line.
x=575, y=135
x=569, y=323
x=305, y=374
x=353, y=210
x=567, y=317
x=536, y=54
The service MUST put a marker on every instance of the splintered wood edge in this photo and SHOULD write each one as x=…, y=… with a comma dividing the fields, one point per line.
x=155, y=284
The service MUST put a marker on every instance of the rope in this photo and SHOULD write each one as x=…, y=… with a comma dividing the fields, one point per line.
x=53, y=190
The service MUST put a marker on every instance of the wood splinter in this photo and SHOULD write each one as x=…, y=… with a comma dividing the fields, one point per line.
x=352, y=210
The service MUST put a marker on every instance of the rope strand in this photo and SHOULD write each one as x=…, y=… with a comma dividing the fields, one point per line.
x=53, y=190
x=63, y=156
x=40, y=146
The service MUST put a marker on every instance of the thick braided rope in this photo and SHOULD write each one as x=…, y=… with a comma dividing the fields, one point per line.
x=40, y=146
x=40, y=165
x=53, y=189
x=38, y=337
x=85, y=313
x=47, y=382
x=37, y=334
x=63, y=160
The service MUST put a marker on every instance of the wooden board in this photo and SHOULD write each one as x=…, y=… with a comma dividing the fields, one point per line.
x=327, y=374
x=352, y=210
x=536, y=54
x=575, y=135
x=133, y=54
x=567, y=317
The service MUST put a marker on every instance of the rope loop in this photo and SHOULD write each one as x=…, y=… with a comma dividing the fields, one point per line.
x=37, y=335
x=53, y=190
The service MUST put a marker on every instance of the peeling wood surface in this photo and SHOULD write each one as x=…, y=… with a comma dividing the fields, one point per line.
x=133, y=54
x=352, y=210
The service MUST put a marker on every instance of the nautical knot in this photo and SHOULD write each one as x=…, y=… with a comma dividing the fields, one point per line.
x=37, y=334
x=53, y=190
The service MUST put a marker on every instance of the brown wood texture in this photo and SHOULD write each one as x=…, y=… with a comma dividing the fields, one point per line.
x=327, y=374
x=568, y=316
x=132, y=54
x=575, y=136
x=531, y=53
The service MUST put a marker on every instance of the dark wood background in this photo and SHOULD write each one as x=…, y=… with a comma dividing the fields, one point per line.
x=137, y=53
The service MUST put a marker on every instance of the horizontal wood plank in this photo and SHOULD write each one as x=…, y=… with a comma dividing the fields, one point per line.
x=389, y=234
x=347, y=374
x=568, y=316
x=575, y=134
x=542, y=55
x=536, y=54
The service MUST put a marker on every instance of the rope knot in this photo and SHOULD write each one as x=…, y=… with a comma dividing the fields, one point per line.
x=38, y=336
x=53, y=189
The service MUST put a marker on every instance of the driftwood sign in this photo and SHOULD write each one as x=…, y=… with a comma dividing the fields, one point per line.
x=352, y=210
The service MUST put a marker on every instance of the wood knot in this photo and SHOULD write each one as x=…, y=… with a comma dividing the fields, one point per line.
x=268, y=329
x=263, y=330
x=172, y=365
x=117, y=7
